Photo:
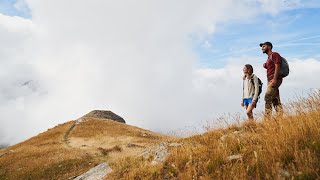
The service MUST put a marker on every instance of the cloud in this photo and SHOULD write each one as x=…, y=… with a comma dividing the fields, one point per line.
x=302, y=77
x=134, y=58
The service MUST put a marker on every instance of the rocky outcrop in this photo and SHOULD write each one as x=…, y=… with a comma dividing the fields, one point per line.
x=96, y=173
x=159, y=153
x=104, y=115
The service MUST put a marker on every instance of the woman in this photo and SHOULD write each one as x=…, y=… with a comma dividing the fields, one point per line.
x=250, y=90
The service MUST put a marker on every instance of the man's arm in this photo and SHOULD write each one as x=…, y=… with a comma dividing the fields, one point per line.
x=277, y=61
x=276, y=75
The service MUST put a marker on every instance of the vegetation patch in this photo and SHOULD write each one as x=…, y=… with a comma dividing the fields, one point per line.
x=106, y=152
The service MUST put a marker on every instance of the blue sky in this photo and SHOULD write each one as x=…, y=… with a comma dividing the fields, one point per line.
x=294, y=33
x=15, y=8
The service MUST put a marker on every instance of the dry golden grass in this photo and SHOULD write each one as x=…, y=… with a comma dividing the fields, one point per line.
x=111, y=129
x=107, y=134
x=44, y=157
x=284, y=148
x=63, y=151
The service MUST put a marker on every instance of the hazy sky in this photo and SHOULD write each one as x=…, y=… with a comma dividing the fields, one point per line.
x=161, y=65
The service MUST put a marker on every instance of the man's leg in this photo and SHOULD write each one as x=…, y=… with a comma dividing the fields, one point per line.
x=276, y=101
x=268, y=102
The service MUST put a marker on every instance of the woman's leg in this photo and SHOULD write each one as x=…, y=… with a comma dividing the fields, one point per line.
x=249, y=112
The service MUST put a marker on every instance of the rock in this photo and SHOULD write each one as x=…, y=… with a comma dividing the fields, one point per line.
x=96, y=173
x=283, y=173
x=105, y=115
x=175, y=144
x=159, y=153
x=234, y=157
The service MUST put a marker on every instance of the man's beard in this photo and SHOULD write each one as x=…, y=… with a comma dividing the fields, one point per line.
x=265, y=51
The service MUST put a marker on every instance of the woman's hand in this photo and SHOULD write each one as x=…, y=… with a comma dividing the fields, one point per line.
x=254, y=103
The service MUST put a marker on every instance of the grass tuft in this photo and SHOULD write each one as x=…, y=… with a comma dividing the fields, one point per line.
x=106, y=152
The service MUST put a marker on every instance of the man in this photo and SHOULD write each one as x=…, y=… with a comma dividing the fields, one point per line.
x=272, y=96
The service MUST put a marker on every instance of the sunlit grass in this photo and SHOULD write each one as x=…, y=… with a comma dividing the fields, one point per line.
x=284, y=148
x=45, y=157
x=55, y=154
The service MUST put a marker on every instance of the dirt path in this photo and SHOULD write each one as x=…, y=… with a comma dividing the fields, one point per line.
x=5, y=153
x=68, y=132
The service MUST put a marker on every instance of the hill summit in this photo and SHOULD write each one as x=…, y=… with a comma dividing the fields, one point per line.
x=102, y=114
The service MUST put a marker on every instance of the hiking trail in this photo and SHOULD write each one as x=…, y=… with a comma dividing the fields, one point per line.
x=68, y=132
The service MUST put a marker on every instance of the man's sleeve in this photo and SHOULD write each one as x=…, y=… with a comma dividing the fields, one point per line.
x=276, y=58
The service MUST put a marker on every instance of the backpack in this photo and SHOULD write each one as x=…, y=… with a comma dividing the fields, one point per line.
x=284, y=67
x=260, y=86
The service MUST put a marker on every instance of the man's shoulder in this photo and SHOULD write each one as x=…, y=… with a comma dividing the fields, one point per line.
x=276, y=58
x=275, y=54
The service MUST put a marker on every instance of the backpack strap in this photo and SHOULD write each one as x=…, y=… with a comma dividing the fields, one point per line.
x=242, y=89
x=252, y=79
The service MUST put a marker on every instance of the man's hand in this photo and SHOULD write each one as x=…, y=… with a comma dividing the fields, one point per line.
x=273, y=82
x=242, y=104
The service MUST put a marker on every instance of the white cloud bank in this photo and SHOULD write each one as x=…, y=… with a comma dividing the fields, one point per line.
x=132, y=57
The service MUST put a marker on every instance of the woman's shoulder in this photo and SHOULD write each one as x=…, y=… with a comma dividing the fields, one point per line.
x=254, y=77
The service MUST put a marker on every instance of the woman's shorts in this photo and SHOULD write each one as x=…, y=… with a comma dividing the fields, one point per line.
x=247, y=101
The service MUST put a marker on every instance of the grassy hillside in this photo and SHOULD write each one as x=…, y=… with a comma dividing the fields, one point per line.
x=71, y=149
x=284, y=148
x=43, y=155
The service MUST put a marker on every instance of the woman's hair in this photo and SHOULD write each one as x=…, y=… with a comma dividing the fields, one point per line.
x=249, y=67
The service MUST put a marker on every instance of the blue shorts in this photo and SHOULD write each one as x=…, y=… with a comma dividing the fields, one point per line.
x=247, y=101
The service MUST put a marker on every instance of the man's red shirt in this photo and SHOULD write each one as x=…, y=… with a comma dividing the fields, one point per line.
x=270, y=64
